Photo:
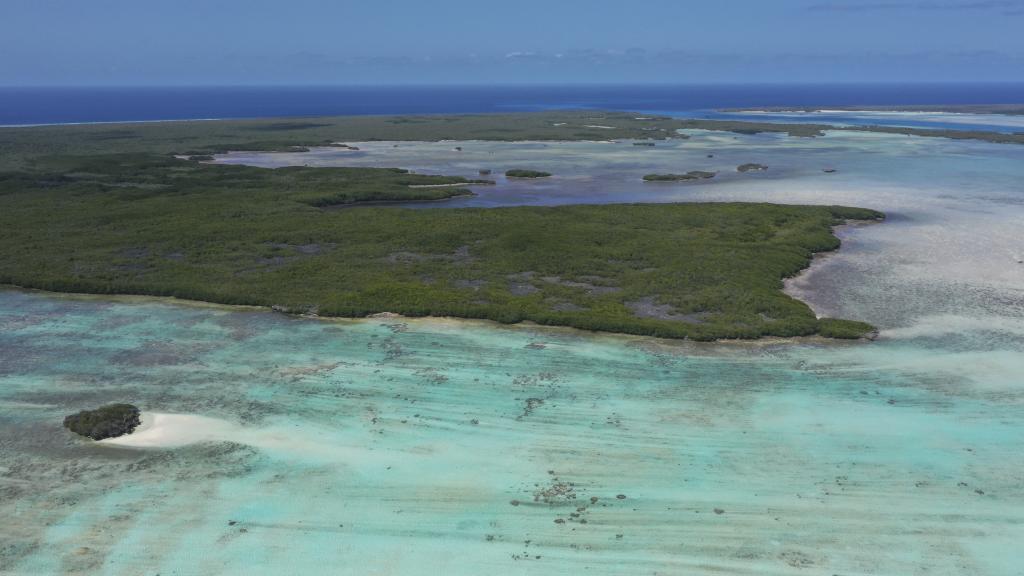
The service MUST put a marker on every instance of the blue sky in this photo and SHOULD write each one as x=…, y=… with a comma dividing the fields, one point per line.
x=229, y=42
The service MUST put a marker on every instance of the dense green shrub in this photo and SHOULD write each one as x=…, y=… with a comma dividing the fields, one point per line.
x=108, y=421
x=691, y=175
x=845, y=329
x=526, y=174
x=108, y=209
x=145, y=224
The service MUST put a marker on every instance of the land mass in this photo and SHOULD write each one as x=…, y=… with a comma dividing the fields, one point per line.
x=691, y=175
x=200, y=140
x=520, y=173
x=700, y=271
x=1008, y=109
x=139, y=212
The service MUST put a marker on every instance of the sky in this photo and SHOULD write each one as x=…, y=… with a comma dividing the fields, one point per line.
x=344, y=42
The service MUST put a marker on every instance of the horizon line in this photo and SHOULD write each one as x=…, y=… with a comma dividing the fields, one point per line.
x=521, y=84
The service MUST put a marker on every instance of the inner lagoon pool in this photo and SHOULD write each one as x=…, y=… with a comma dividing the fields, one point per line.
x=434, y=446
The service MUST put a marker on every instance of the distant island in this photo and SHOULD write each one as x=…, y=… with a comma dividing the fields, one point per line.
x=691, y=175
x=135, y=209
x=527, y=174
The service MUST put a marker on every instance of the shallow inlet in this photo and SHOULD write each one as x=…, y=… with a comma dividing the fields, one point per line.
x=436, y=446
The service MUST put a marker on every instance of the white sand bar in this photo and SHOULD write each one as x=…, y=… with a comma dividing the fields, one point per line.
x=171, y=430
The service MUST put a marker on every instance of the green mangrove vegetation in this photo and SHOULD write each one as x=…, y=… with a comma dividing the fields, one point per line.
x=158, y=225
x=691, y=175
x=519, y=173
x=108, y=421
x=136, y=209
x=133, y=176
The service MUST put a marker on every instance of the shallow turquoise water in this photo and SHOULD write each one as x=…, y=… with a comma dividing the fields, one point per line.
x=389, y=446
x=398, y=447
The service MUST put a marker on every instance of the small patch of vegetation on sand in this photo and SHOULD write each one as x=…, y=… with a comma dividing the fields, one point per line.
x=526, y=174
x=691, y=175
x=108, y=421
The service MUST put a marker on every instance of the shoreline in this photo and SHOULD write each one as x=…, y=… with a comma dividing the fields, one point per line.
x=695, y=346
x=733, y=318
x=818, y=260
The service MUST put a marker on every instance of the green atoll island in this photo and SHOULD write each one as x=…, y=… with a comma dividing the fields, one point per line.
x=526, y=174
x=691, y=175
x=108, y=421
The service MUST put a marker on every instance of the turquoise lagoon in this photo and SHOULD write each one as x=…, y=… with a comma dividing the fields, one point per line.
x=431, y=446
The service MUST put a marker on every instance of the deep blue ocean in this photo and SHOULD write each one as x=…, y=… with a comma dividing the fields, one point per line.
x=68, y=105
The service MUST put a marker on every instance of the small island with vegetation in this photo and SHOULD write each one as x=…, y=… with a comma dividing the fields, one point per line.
x=108, y=421
x=691, y=175
x=518, y=173
x=751, y=167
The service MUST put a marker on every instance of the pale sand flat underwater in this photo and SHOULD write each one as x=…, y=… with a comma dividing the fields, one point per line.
x=277, y=445
x=174, y=430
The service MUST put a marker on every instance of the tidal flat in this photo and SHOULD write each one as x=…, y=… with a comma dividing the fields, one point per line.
x=399, y=446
